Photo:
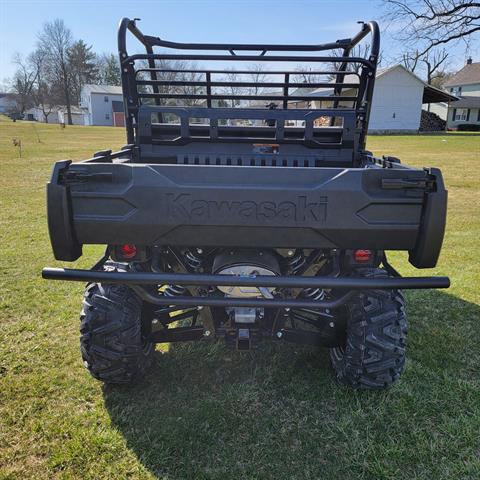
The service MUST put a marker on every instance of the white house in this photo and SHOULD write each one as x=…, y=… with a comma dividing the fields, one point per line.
x=78, y=115
x=465, y=84
x=58, y=114
x=397, y=99
x=36, y=114
x=440, y=109
x=103, y=104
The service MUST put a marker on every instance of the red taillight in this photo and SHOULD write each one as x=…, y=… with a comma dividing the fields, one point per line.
x=363, y=256
x=128, y=251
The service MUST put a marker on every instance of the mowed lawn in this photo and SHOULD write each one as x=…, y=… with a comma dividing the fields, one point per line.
x=204, y=412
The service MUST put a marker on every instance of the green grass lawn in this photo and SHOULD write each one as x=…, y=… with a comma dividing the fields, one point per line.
x=205, y=412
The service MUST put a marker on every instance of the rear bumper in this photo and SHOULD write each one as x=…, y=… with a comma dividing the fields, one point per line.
x=348, y=284
x=232, y=206
x=280, y=281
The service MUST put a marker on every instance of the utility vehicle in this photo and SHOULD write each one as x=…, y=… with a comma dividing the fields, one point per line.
x=246, y=207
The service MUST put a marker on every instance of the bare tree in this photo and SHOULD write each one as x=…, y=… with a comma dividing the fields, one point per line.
x=306, y=75
x=361, y=51
x=257, y=74
x=23, y=81
x=43, y=92
x=410, y=61
x=188, y=73
x=55, y=41
x=172, y=71
x=434, y=62
x=232, y=88
x=46, y=98
x=427, y=24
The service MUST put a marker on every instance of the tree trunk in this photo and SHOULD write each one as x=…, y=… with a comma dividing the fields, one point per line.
x=68, y=105
x=66, y=88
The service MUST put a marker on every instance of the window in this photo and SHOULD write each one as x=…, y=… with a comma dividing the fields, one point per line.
x=107, y=116
x=461, y=114
x=105, y=98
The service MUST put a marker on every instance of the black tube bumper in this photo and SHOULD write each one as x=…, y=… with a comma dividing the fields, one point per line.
x=147, y=278
x=345, y=284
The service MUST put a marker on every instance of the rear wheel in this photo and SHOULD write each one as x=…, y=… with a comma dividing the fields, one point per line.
x=373, y=356
x=113, y=347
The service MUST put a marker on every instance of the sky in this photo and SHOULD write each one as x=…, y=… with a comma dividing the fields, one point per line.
x=234, y=21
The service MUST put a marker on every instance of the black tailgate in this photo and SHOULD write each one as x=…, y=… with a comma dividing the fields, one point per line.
x=186, y=205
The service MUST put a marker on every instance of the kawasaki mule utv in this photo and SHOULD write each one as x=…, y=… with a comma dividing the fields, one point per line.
x=246, y=207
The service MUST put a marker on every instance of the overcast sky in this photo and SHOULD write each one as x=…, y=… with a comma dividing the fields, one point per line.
x=240, y=21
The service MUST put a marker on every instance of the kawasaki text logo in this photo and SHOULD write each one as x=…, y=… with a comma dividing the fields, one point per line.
x=300, y=209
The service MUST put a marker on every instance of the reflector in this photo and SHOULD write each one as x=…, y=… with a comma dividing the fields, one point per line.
x=128, y=251
x=363, y=256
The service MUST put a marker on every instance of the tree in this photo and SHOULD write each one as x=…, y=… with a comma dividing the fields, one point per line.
x=428, y=24
x=82, y=66
x=55, y=41
x=441, y=78
x=108, y=67
x=410, y=62
x=434, y=62
x=362, y=51
x=23, y=81
x=233, y=89
x=189, y=75
x=31, y=84
x=307, y=75
x=46, y=98
x=257, y=75
x=43, y=93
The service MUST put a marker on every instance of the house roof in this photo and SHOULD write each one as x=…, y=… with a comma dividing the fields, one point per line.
x=466, y=102
x=469, y=74
x=102, y=89
x=433, y=94
x=353, y=78
x=430, y=94
x=302, y=91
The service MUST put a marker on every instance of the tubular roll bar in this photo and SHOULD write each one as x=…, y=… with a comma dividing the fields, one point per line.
x=149, y=41
x=133, y=98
